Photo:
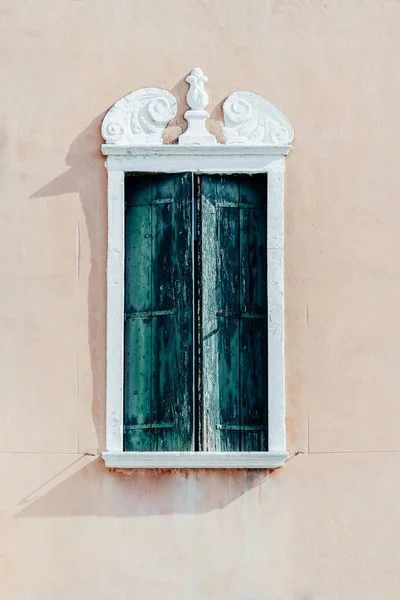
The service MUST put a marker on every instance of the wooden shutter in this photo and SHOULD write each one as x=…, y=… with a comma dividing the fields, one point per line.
x=233, y=313
x=158, y=313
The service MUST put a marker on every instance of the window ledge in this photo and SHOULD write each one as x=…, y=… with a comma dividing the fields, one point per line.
x=194, y=460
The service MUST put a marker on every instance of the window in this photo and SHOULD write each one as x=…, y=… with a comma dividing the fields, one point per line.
x=195, y=328
x=195, y=313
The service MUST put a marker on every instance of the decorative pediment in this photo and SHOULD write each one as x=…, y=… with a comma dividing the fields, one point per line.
x=139, y=119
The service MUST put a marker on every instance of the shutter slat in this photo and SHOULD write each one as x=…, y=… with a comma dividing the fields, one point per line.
x=220, y=283
x=209, y=322
x=137, y=382
x=138, y=333
x=253, y=321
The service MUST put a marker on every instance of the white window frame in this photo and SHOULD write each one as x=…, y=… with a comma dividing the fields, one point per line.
x=257, y=139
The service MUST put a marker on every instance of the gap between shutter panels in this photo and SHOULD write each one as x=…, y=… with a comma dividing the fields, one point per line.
x=197, y=322
x=233, y=414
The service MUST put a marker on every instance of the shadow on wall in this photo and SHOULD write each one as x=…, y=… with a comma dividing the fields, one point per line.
x=89, y=489
x=92, y=490
x=87, y=177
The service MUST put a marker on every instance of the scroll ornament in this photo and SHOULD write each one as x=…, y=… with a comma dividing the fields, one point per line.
x=139, y=118
x=252, y=120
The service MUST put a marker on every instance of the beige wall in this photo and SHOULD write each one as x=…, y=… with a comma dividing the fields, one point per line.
x=324, y=527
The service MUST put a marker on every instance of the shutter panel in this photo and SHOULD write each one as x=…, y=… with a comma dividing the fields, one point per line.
x=234, y=313
x=158, y=313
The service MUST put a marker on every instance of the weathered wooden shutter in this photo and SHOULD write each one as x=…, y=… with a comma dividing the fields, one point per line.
x=233, y=313
x=158, y=313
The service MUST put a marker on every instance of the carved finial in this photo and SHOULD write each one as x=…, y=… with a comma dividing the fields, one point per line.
x=197, y=99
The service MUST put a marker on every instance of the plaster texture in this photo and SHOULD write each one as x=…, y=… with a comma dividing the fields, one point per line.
x=325, y=526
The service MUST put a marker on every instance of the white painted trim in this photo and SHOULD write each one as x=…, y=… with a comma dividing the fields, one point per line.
x=275, y=295
x=194, y=460
x=196, y=117
x=197, y=159
x=115, y=311
x=172, y=150
x=257, y=140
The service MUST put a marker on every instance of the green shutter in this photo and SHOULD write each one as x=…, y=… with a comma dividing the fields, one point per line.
x=228, y=396
x=233, y=315
x=158, y=313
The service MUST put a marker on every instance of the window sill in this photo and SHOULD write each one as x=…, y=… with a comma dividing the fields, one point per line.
x=194, y=460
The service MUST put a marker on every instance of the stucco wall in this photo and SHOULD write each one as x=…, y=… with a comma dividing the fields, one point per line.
x=324, y=527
